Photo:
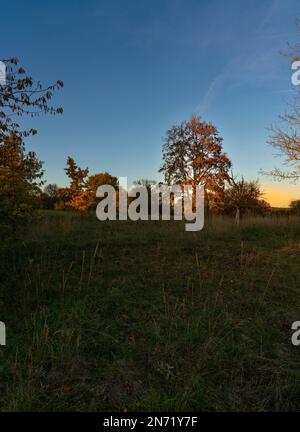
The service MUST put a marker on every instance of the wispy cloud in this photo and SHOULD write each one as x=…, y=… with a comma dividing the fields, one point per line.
x=259, y=65
x=274, y=6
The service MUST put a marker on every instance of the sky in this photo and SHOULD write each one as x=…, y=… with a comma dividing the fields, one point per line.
x=133, y=68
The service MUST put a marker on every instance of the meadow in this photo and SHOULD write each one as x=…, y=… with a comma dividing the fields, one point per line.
x=131, y=316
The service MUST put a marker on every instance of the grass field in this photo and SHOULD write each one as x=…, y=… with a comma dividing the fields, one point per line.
x=145, y=316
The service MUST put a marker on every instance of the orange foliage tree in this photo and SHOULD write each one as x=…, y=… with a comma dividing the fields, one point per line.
x=20, y=171
x=192, y=155
x=76, y=195
x=81, y=195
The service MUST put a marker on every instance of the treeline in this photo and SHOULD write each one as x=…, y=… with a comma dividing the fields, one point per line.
x=192, y=154
x=196, y=158
x=238, y=197
x=80, y=195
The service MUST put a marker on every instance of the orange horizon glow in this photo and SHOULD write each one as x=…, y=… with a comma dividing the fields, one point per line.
x=280, y=194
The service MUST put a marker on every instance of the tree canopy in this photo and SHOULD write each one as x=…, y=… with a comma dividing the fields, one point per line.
x=20, y=178
x=193, y=154
x=244, y=196
x=20, y=171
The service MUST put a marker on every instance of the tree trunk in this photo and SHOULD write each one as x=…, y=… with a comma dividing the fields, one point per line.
x=237, y=217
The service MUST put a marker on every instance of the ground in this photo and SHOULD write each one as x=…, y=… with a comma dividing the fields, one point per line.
x=145, y=316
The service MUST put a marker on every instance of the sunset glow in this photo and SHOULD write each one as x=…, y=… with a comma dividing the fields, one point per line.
x=280, y=194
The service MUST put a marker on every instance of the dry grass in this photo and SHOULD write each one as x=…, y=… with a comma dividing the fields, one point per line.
x=144, y=316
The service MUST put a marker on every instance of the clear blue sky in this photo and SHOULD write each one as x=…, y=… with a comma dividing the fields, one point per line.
x=133, y=68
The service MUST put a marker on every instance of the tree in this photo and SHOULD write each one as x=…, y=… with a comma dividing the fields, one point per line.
x=192, y=155
x=51, y=190
x=20, y=179
x=295, y=206
x=76, y=195
x=145, y=182
x=243, y=197
x=20, y=172
x=148, y=185
x=49, y=197
x=81, y=194
x=285, y=138
x=77, y=175
x=96, y=180
x=287, y=142
x=21, y=95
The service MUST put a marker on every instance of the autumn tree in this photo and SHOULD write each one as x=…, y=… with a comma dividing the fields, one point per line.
x=20, y=171
x=76, y=196
x=96, y=180
x=20, y=179
x=81, y=194
x=192, y=155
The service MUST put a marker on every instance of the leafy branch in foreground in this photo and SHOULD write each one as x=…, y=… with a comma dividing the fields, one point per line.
x=20, y=171
x=21, y=95
x=286, y=138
